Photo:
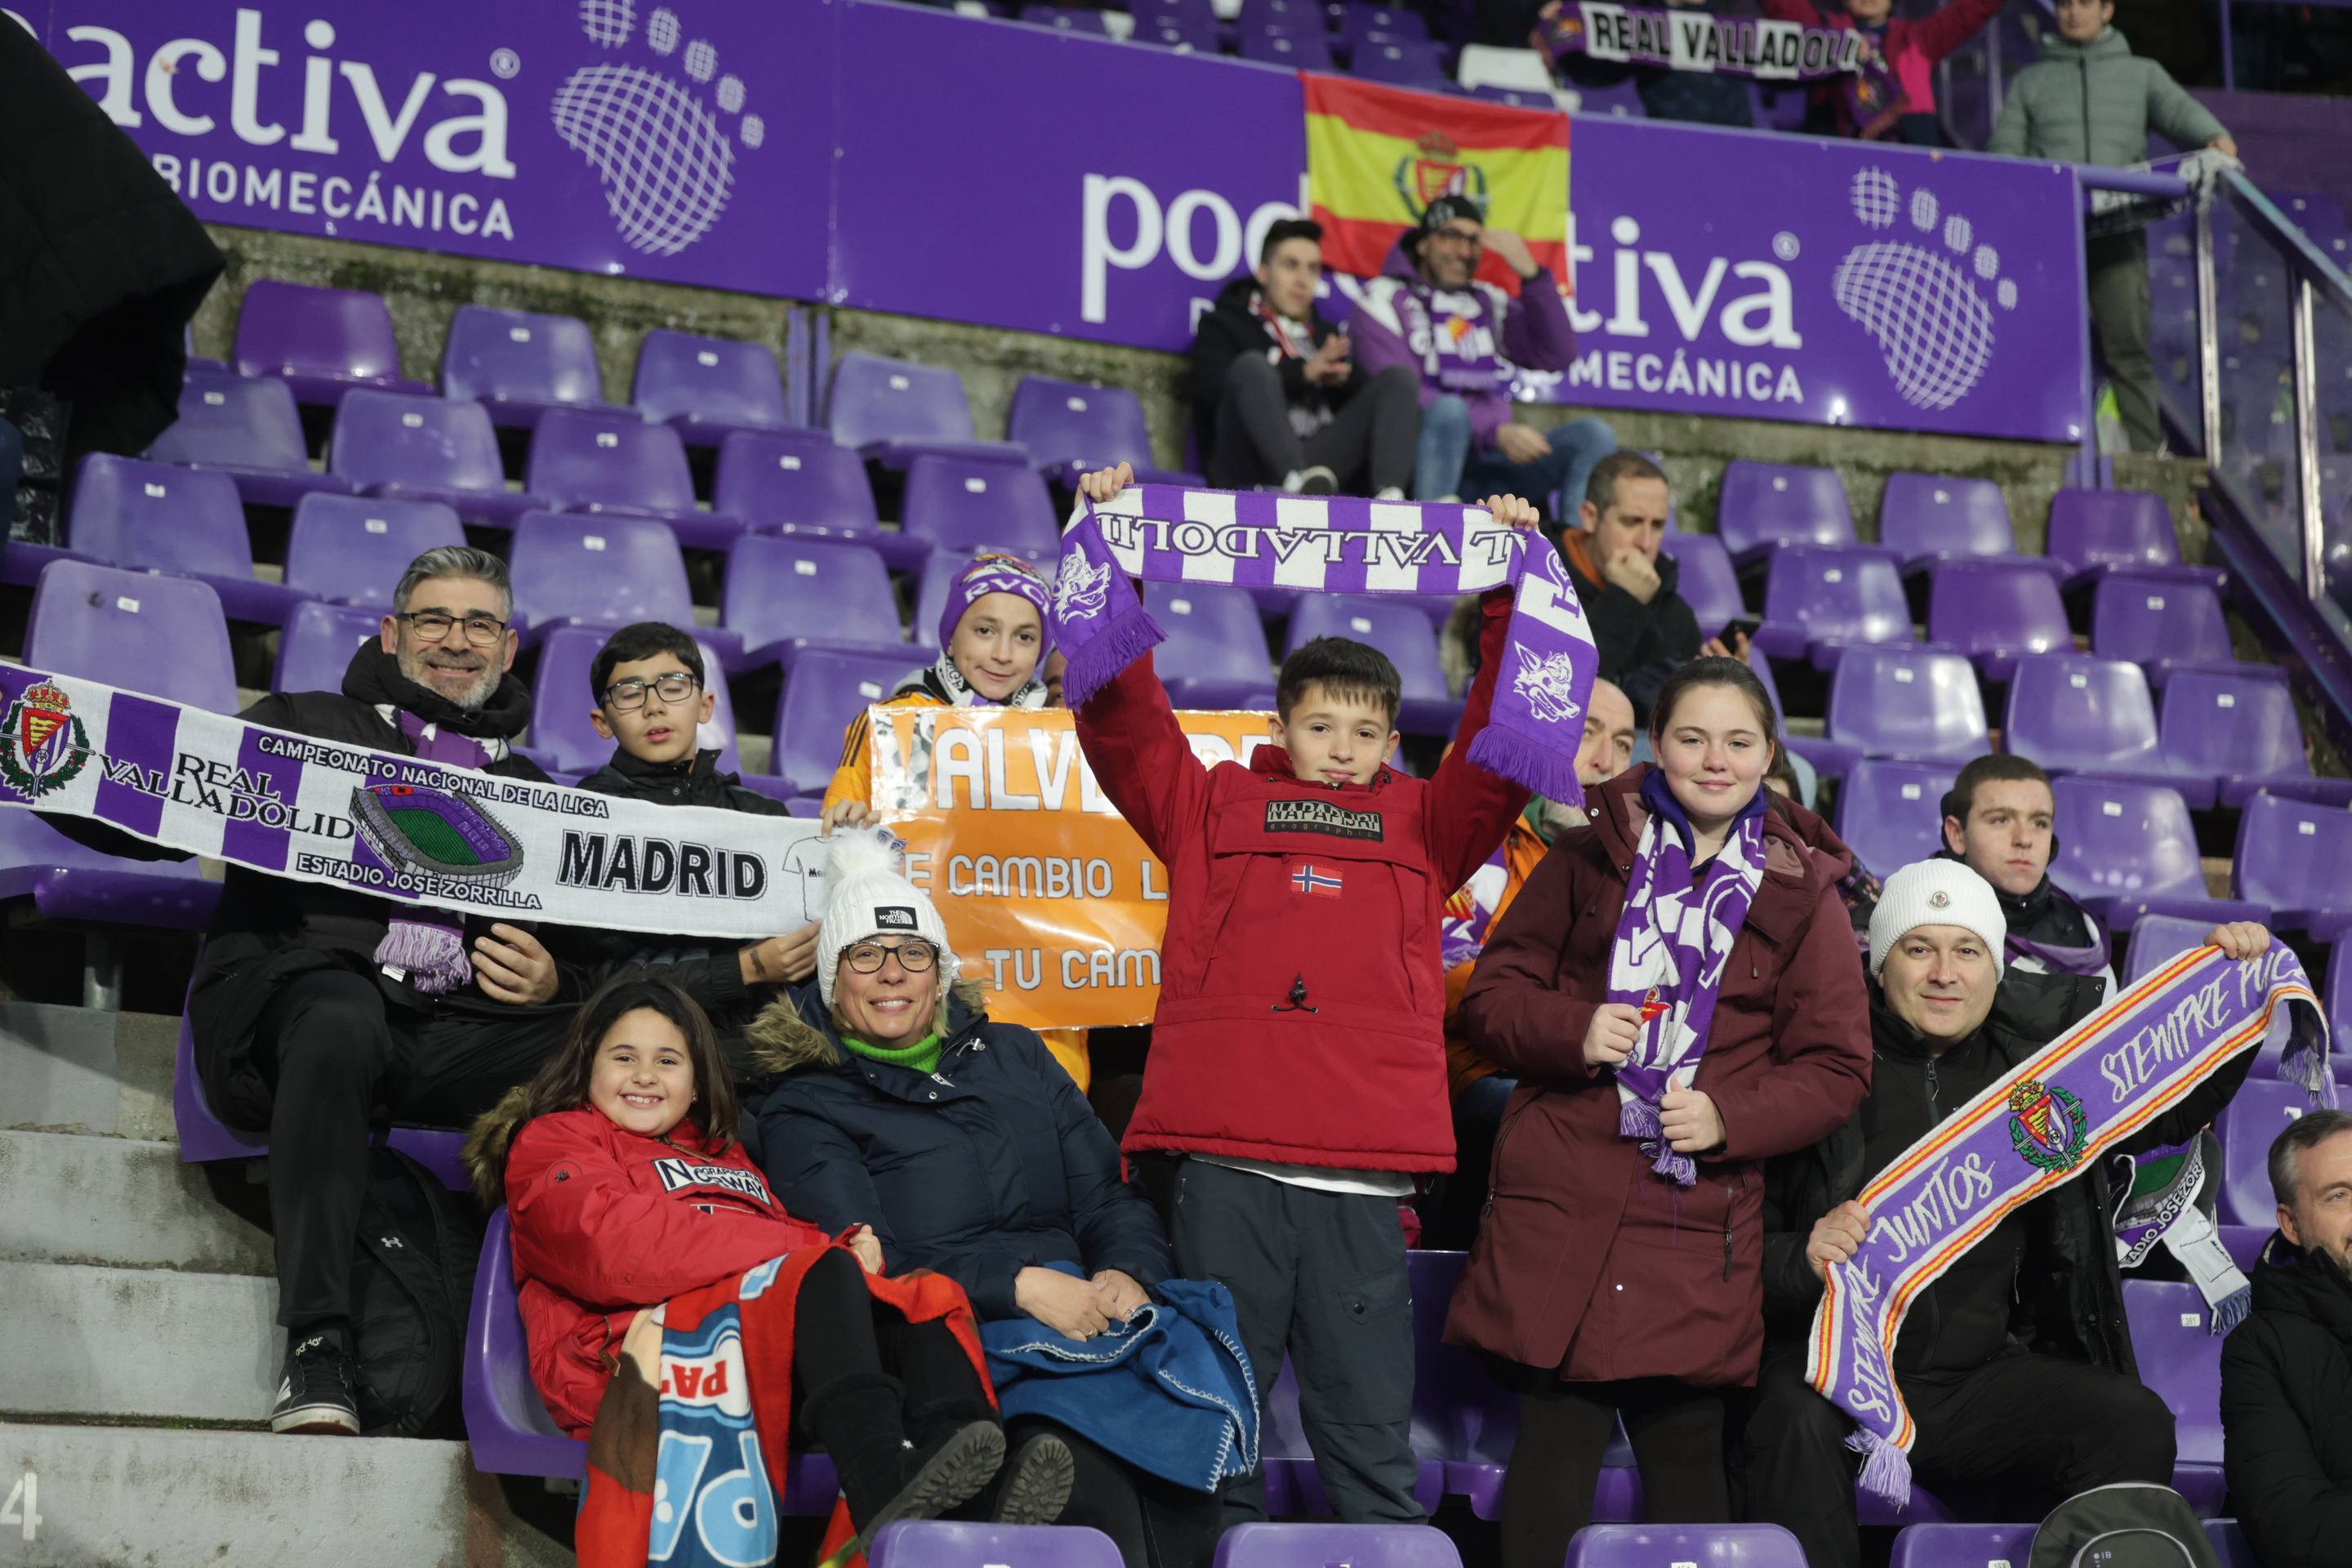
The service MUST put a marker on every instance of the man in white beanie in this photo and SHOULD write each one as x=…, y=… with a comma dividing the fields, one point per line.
x=2016, y=1363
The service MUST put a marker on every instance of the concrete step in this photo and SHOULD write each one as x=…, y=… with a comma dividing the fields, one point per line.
x=158, y=1498
x=122, y=1203
x=139, y=1343
x=70, y=1069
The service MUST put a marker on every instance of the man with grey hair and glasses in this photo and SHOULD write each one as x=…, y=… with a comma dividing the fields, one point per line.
x=2286, y=1371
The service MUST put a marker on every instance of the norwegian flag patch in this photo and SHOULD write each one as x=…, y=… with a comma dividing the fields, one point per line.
x=1317, y=884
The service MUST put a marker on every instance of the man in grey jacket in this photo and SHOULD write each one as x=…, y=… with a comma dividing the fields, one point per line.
x=2089, y=99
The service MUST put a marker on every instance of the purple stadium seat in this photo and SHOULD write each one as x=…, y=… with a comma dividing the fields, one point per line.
x=616, y=463
x=957, y=1544
x=248, y=429
x=1891, y=814
x=570, y=570
x=2161, y=624
x=561, y=739
x=1402, y=64
x=1765, y=504
x=2181, y=1360
x=786, y=596
x=1933, y=518
x=1299, y=51
x=67, y=882
x=1516, y=97
x=322, y=343
x=1293, y=1484
x=893, y=411
x=2295, y=858
x=1685, y=1546
x=1908, y=702
x=2240, y=729
x=1617, y=100
x=1197, y=32
x=1154, y=11
x=2158, y=940
x=352, y=549
x=961, y=503
x=187, y=522
x=1996, y=612
x=1069, y=428
x=2230, y=1544
x=1707, y=582
x=826, y=691
x=426, y=448
x=164, y=637
x=2125, y=849
x=1399, y=630
x=940, y=569
x=1832, y=759
x=1065, y=19
x=318, y=644
x=519, y=365
x=2247, y=1126
x=1323, y=1546
x=2074, y=714
x=707, y=388
x=2106, y=530
x=1355, y=21
x=796, y=483
x=1962, y=1545
x=1277, y=15
x=1215, y=653
x=1819, y=600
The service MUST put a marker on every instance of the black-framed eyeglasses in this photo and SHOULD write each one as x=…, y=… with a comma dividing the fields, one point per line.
x=913, y=957
x=628, y=696
x=433, y=625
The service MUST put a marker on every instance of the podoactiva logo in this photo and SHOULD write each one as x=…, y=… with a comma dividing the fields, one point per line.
x=1921, y=291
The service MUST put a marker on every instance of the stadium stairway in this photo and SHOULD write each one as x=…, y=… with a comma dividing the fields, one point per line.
x=140, y=1306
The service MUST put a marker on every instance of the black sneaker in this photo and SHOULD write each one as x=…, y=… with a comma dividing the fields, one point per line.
x=1035, y=1485
x=315, y=1396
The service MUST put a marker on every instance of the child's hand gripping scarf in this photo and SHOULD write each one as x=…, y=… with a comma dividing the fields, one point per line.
x=1667, y=960
x=2032, y=1131
x=1164, y=533
x=2168, y=1197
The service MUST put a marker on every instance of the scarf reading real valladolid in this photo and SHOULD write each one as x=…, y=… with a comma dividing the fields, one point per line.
x=2040, y=1126
x=1165, y=533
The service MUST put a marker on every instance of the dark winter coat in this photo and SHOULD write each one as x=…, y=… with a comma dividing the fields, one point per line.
x=2096, y=103
x=1640, y=645
x=1233, y=327
x=1586, y=1260
x=2287, y=1411
x=989, y=1164
x=694, y=782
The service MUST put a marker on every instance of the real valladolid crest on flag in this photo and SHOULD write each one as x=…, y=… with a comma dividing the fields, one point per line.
x=1165, y=533
x=2040, y=1126
x=403, y=828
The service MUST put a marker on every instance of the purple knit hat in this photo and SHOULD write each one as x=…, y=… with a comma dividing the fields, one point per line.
x=991, y=573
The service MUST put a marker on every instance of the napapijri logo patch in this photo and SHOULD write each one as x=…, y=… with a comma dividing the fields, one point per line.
x=1321, y=816
x=893, y=917
x=676, y=1173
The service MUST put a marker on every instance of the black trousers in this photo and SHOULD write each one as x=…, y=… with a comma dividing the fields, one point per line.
x=840, y=1331
x=1676, y=1431
x=2116, y=270
x=1370, y=443
x=342, y=1055
x=1155, y=1522
x=2010, y=1439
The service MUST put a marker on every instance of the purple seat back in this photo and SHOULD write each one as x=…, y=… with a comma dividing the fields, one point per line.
x=235, y=422
x=318, y=644
x=2179, y=1358
x=960, y=504
x=162, y=637
x=1069, y=421
x=1926, y=514
x=1321, y=1545
x=2079, y=715
x=2158, y=621
x=2007, y=607
x=1516, y=97
x=786, y=587
x=1300, y=51
x=1961, y=1545
x=1275, y=15
x=1178, y=32
x=154, y=515
x=1908, y=702
x=826, y=691
x=353, y=549
x=960, y=1544
x=608, y=462
x=495, y=356
x=1404, y=64
x=505, y=1420
x=2118, y=838
x=1773, y=503
x=1065, y=19
x=1216, y=644
x=940, y=569
x=1396, y=21
x=1685, y=1546
x=37, y=860
x=1849, y=596
x=390, y=437
x=561, y=701
x=293, y=329
x=1891, y=814
x=874, y=398
x=2247, y=1127
x=2111, y=527
x=680, y=375
x=2227, y=1541
x=1706, y=580
x=1398, y=627
x=2292, y=857
x=782, y=481
x=602, y=571
x=2218, y=723
x=2158, y=940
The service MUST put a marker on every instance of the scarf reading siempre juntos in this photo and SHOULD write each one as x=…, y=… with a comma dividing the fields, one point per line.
x=1164, y=533
x=2034, y=1129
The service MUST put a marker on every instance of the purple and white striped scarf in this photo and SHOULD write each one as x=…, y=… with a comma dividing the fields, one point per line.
x=1165, y=533
x=423, y=944
x=1667, y=960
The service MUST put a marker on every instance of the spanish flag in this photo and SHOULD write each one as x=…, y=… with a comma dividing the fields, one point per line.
x=1377, y=156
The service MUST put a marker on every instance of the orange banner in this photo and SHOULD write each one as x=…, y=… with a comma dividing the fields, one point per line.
x=1051, y=901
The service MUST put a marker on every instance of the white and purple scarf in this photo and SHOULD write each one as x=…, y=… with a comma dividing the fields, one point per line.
x=1338, y=544
x=2167, y=1198
x=1672, y=941
x=424, y=944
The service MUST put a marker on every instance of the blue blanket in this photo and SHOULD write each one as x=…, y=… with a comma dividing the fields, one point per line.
x=1169, y=1391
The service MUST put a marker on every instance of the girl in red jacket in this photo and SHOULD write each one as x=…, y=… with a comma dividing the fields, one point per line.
x=625, y=1187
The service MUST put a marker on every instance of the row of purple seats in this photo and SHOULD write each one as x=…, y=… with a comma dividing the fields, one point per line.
x=954, y=1543
x=2156, y=940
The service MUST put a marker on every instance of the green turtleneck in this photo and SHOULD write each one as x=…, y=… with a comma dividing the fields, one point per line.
x=923, y=1056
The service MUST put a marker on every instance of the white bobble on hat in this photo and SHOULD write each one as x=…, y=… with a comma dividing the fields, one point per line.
x=1937, y=893
x=868, y=896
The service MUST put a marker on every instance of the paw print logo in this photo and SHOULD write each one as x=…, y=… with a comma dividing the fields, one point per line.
x=1922, y=296
x=666, y=159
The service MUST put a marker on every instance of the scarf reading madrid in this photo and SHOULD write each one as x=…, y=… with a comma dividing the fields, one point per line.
x=2038, y=1127
x=1165, y=533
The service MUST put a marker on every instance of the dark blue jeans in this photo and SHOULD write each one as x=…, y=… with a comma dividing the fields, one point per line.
x=1446, y=464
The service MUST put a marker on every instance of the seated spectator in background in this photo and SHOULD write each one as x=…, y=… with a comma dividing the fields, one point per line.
x=1999, y=816
x=2089, y=99
x=1641, y=627
x=1276, y=400
x=1693, y=97
x=2286, y=1371
x=625, y=1187
x=1892, y=98
x=896, y=1101
x=1467, y=340
x=2016, y=1363
x=1480, y=1088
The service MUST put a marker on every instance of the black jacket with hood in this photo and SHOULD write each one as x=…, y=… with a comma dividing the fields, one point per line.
x=2287, y=1411
x=1233, y=329
x=1641, y=645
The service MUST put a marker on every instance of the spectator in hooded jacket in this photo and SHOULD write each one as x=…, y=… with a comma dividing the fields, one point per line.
x=2089, y=99
x=2286, y=1371
x=1466, y=338
x=2000, y=817
x=1275, y=398
x=1643, y=627
x=1894, y=96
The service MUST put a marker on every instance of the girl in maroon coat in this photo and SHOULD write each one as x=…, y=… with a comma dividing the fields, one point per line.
x=1677, y=989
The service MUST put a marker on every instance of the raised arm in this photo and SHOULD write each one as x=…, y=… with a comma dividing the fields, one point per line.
x=1536, y=333
x=1142, y=760
x=1949, y=27
x=1469, y=810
